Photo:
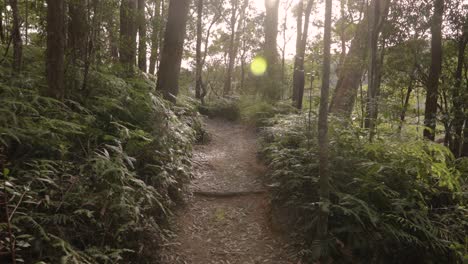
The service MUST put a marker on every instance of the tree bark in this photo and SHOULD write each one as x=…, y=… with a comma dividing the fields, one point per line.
x=350, y=74
x=271, y=78
x=142, y=39
x=296, y=72
x=113, y=39
x=16, y=37
x=198, y=77
x=458, y=101
x=324, y=192
x=169, y=70
x=55, y=51
x=2, y=30
x=156, y=25
x=232, y=49
x=430, y=113
x=78, y=30
x=299, y=74
x=128, y=32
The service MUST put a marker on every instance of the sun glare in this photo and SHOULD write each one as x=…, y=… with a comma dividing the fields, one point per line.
x=258, y=66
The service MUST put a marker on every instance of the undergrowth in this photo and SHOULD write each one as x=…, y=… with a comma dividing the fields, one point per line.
x=91, y=179
x=392, y=201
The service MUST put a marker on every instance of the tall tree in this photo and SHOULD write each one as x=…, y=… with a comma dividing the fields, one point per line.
x=459, y=101
x=16, y=37
x=271, y=79
x=430, y=112
x=2, y=30
x=322, y=223
x=169, y=69
x=299, y=75
x=350, y=73
x=78, y=29
x=155, y=26
x=232, y=47
x=142, y=39
x=128, y=32
x=55, y=50
x=198, y=67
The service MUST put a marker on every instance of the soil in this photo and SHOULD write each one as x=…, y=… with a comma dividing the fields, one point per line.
x=233, y=228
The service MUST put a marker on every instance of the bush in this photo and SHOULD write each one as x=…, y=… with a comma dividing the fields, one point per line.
x=227, y=108
x=91, y=179
x=392, y=201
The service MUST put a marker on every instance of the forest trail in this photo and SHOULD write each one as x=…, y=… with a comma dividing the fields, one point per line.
x=232, y=226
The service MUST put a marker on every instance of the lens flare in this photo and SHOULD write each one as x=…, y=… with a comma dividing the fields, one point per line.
x=258, y=66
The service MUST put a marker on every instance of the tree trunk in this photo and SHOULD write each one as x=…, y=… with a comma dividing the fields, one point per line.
x=55, y=51
x=232, y=48
x=464, y=151
x=113, y=39
x=430, y=113
x=406, y=103
x=78, y=30
x=169, y=70
x=350, y=75
x=156, y=25
x=373, y=16
x=142, y=35
x=271, y=78
x=128, y=30
x=299, y=76
x=296, y=72
x=2, y=30
x=322, y=222
x=457, y=98
x=16, y=37
x=198, y=77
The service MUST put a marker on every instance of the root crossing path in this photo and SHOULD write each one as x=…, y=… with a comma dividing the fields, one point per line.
x=227, y=219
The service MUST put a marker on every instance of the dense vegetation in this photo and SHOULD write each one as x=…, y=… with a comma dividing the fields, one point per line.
x=395, y=200
x=100, y=104
x=90, y=179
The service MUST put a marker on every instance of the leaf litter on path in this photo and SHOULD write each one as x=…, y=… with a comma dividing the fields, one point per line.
x=226, y=230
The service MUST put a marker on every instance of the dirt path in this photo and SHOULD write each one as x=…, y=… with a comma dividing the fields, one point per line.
x=222, y=230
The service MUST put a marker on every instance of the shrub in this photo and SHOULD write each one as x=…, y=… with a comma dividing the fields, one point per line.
x=91, y=179
x=226, y=108
x=392, y=201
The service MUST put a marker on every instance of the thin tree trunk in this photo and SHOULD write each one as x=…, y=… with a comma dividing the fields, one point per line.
x=271, y=78
x=198, y=77
x=232, y=48
x=156, y=25
x=78, y=30
x=113, y=39
x=300, y=64
x=128, y=32
x=406, y=103
x=169, y=70
x=430, y=113
x=458, y=100
x=296, y=72
x=55, y=51
x=26, y=22
x=16, y=37
x=142, y=35
x=2, y=30
x=324, y=192
x=373, y=16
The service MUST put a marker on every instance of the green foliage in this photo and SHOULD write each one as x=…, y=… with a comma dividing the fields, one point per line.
x=258, y=113
x=91, y=179
x=227, y=108
x=392, y=201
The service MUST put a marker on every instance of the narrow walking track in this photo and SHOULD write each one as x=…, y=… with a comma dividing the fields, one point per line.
x=227, y=220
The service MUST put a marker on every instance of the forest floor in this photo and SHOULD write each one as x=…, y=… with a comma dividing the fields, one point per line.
x=226, y=220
